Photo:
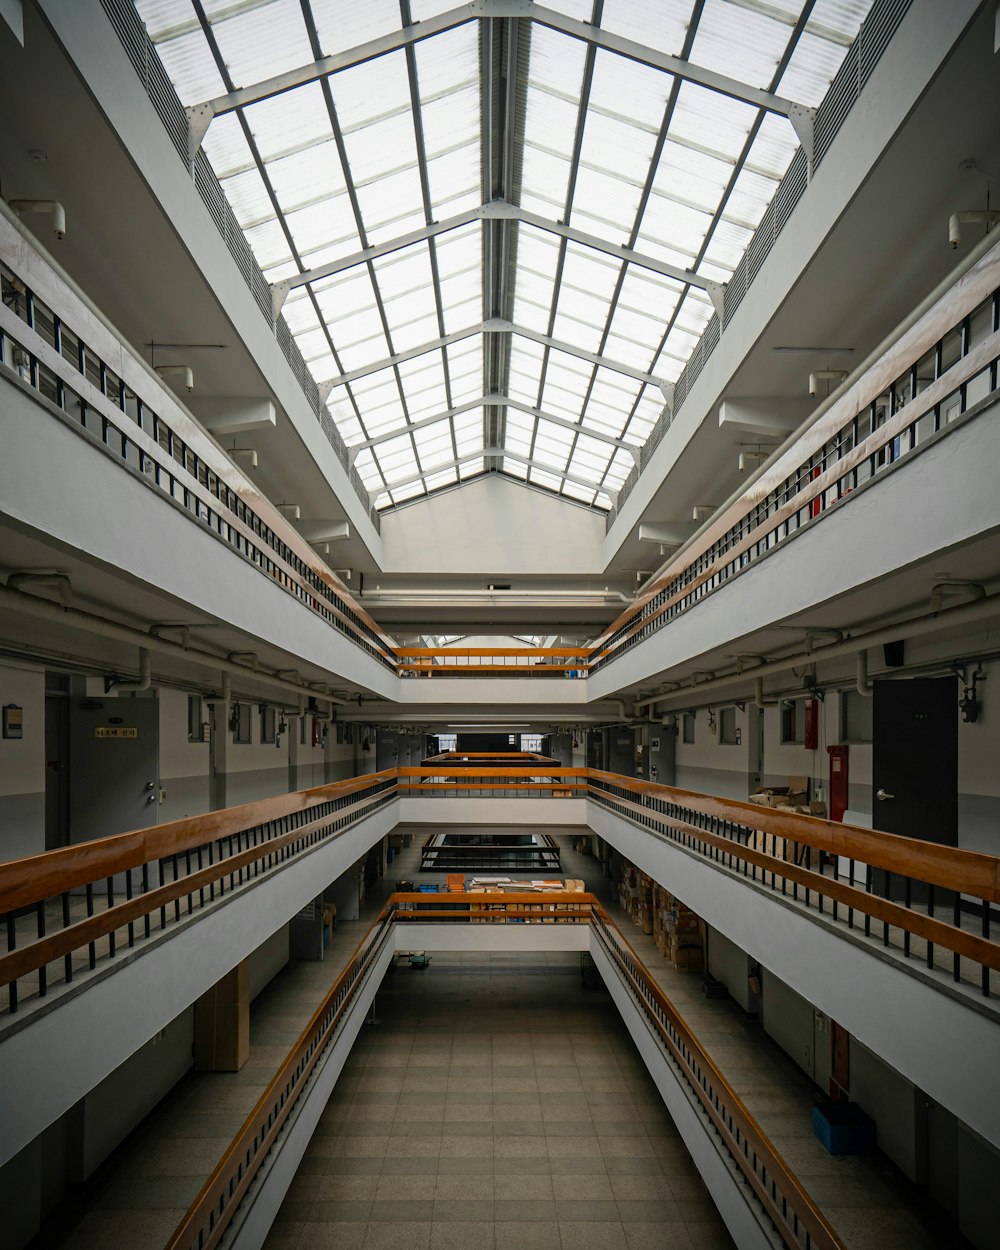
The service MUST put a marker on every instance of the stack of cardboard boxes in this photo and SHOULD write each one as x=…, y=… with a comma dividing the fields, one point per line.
x=678, y=933
x=794, y=797
x=635, y=893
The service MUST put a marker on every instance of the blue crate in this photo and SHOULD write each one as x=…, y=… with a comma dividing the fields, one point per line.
x=843, y=1128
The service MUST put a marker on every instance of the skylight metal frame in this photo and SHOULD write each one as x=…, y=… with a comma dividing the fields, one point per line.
x=598, y=374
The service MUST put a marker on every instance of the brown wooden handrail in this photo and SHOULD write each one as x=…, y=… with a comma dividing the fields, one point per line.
x=26, y=881
x=520, y=652
x=981, y=950
x=31, y=882
x=223, y=1190
x=952, y=868
x=804, y=1208
x=538, y=769
x=974, y=287
x=210, y=1214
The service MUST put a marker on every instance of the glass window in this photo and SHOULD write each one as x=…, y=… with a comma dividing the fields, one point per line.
x=687, y=727
x=242, y=724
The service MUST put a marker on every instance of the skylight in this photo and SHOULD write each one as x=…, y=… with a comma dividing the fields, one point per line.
x=444, y=214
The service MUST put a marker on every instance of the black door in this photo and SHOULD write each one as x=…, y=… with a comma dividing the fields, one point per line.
x=915, y=765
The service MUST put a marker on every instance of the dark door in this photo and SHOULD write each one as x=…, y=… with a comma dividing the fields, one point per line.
x=114, y=749
x=915, y=765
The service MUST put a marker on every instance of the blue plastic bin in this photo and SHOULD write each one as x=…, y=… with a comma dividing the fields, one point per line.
x=843, y=1128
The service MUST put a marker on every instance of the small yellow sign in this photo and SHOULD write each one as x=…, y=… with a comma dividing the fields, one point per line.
x=114, y=732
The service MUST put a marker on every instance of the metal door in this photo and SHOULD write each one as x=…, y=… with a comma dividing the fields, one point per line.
x=915, y=764
x=114, y=763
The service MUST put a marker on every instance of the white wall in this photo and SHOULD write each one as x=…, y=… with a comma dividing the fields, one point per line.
x=710, y=766
x=22, y=765
x=494, y=527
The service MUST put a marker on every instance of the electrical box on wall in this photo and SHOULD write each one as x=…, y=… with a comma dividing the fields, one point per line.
x=13, y=721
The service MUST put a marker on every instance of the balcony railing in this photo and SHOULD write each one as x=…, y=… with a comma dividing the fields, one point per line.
x=493, y=661
x=52, y=343
x=69, y=911
x=770, y=1183
x=938, y=374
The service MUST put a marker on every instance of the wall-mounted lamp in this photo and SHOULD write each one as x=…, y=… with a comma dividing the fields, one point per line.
x=825, y=375
x=184, y=372
x=51, y=208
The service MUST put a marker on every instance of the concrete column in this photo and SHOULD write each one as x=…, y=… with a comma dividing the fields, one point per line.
x=222, y=1023
x=329, y=750
x=218, y=753
x=295, y=752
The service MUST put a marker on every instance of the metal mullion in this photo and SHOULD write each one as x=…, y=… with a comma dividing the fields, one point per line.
x=487, y=30
x=352, y=195
x=500, y=375
x=213, y=46
x=418, y=134
x=647, y=190
x=574, y=169
x=741, y=160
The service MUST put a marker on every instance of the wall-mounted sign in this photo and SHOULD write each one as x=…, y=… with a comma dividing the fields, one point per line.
x=13, y=721
x=125, y=731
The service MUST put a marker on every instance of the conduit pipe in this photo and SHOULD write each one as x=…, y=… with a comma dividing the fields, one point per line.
x=863, y=685
x=964, y=614
x=758, y=695
x=145, y=675
x=45, y=609
x=59, y=582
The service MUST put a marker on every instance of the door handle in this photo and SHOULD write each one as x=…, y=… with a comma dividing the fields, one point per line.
x=882, y=795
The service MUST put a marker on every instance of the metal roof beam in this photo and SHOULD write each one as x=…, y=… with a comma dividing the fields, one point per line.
x=714, y=290
x=281, y=290
x=498, y=326
x=423, y=423
x=485, y=452
x=200, y=116
x=389, y=362
x=800, y=116
x=493, y=401
x=566, y=424
x=498, y=210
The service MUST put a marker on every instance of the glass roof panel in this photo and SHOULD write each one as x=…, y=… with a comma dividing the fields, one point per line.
x=311, y=185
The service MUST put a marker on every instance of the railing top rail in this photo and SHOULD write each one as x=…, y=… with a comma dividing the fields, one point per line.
x=968, y=290
x=230, y=1179
x=528, y=757
x=539, y=769
x=803, y=1206
x=27, y=881
x=477, y=898
x=953, y=868
x=60, y=293
x=216, y=1188
x=523, y=652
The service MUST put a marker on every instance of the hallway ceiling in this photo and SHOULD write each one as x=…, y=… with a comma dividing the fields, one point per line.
x=459, y=192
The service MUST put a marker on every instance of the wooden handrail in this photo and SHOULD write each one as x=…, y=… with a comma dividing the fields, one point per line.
x=221, y=1189
x=206, y=1221
x=526, y=652
x=803, y=1206
x=974, y=287
x=50, y=873
x=104, y=342
x=525, y=773
x=951, y=867
x=982, y=950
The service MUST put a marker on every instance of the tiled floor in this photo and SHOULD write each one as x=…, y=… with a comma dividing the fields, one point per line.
x=497, y=1104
